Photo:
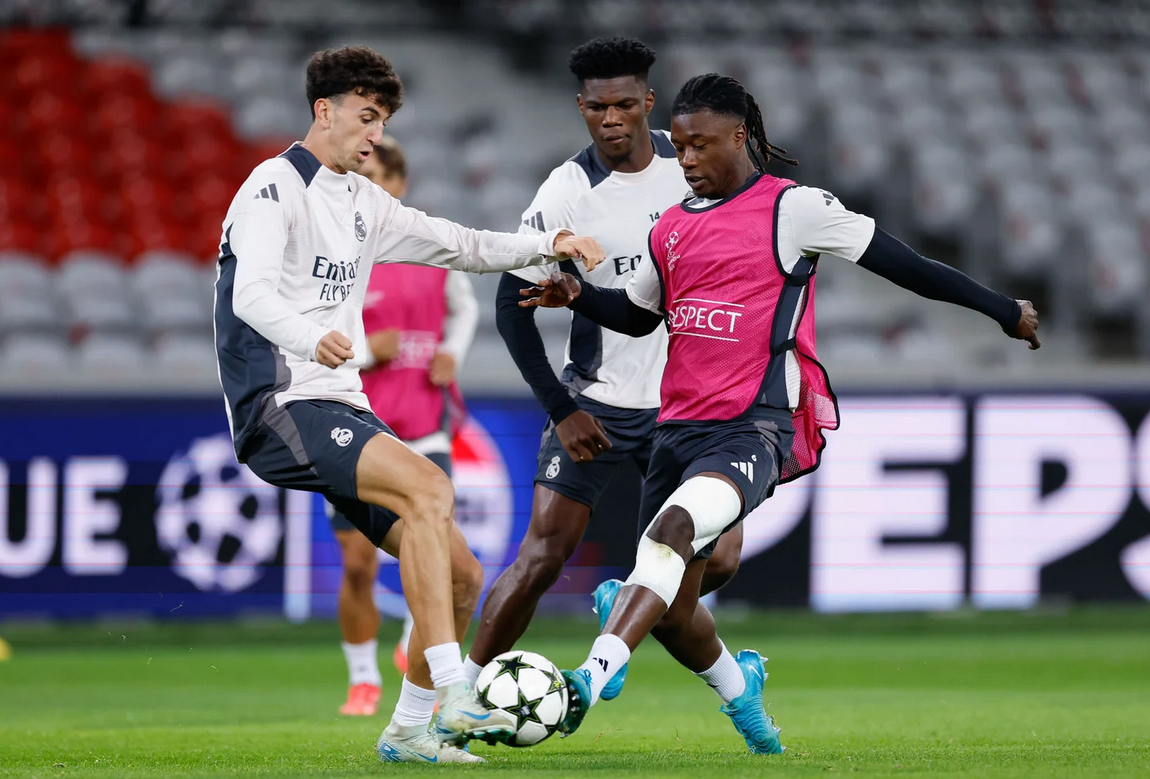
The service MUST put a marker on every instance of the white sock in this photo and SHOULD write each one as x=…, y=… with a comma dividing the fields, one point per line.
x=471, y=669
x=446, y=664
x=408, y=624
x=609, y=653
x=725, y=677
x=415, y=706
x=362, y=663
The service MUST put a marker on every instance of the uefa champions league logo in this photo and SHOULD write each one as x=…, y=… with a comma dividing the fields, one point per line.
x=672, y=255
x=218, y=520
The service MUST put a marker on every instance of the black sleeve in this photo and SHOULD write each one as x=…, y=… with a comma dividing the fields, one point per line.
x=612, y=309
x=895, y=261
x=517, y=326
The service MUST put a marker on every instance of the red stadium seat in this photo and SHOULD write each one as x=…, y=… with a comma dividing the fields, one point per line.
x=109, y=76
x=124, y=110
x=68, y=234
x=197, y=117
x=46, y=71
x=20, y=236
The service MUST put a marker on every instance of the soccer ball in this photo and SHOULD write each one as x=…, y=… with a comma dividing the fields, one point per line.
x=216, y=518
x=529, y=687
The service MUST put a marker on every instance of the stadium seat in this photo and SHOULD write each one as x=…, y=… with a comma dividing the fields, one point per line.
x=173, y=293
x=25, y=353
x=26, y=297
x=186, y=355
x=105, y=354
x=93, y=290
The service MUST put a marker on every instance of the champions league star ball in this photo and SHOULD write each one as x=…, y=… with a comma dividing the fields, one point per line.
x=529, y=687
x=218, y=520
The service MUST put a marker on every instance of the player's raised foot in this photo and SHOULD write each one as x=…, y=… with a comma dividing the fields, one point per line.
x=578, y=701
x=604, y=601
x=400, y=744
x=362, y=701
x=462, y=716
x=746, y=711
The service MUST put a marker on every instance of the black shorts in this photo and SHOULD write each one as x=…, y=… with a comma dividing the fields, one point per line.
x=339, y=522
x=749, y=452
x=314, y=445
x=629, y=431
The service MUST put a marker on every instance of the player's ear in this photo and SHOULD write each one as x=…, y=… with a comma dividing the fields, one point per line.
x=740, y=136
x=323, y=111
x=579, y=102
x=649, y=101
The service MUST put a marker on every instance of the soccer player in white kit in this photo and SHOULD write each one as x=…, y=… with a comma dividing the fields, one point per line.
x=298, y=242
x=602, y=410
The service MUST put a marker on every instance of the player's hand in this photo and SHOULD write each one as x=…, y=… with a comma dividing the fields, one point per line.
x=583, y=436
x=1027, y=327
x=579, y=247
x=442, y=370
x=384, y=344
x=554, y=292
x=333, y=350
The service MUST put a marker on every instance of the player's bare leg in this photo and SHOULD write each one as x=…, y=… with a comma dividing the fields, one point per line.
x=407, y=737
x=389, y=474
x=724, y=562
x=359, y=623
x=558, y=524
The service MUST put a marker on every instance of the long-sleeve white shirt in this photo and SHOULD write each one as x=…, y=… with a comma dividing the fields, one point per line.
x=298, y=244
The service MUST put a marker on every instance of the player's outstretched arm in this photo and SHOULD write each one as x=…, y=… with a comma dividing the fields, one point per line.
x=890, y=258
x=611, y=308
x=411, y=236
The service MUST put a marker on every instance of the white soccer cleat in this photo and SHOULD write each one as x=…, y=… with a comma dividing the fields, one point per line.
x=399, y=744
x=462, y=716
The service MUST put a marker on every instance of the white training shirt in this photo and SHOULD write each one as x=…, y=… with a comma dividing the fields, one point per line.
x=618, y=210
x=811, y=222
x=298, y=245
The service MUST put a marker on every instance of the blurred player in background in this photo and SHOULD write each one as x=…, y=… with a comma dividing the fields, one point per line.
x=298, y=244
x=602, y=412
x=744, y=400
x=419, y=323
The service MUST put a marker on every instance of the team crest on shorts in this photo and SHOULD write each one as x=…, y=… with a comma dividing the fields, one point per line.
x=360, y=226
x=341, y=435
x=553, y=467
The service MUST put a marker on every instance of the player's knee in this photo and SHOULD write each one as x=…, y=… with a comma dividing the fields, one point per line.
x=674, y=528
x=432, y=499
x=359, y=570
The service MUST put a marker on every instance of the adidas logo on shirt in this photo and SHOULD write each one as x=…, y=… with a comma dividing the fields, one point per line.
x=747, y=469
x=268, y=192
x=536, y=222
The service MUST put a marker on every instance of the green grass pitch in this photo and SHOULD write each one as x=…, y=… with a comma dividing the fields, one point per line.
x=1026, y=695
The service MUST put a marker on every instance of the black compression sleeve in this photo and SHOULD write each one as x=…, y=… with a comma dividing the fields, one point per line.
x=895, y=261
x=517, y=326
x=612, y=309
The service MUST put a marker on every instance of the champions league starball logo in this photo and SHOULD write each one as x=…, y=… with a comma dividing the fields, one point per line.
x=672, y=255
x=218, y=520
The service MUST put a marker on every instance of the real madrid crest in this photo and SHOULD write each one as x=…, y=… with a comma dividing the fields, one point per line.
x=360, y=226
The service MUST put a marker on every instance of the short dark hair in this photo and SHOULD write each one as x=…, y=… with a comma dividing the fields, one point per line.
x=390, y=156
x=726, y=96
x=333, y=73
x=611, y=58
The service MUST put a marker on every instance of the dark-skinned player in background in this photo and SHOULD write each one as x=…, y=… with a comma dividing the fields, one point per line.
x=730, y=274
x=602, y=412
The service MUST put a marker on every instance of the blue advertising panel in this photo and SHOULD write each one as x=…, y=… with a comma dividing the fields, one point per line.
x=132, y=506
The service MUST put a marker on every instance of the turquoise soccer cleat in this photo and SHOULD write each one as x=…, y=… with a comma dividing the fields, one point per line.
x=746, y=711
x=604, y=599
x=578, y=701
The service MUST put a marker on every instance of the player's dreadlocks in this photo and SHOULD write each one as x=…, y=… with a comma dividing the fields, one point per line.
x=611, y=58
x=726, y=95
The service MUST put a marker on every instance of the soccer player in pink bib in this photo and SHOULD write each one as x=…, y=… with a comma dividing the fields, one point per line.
x=744, y=400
